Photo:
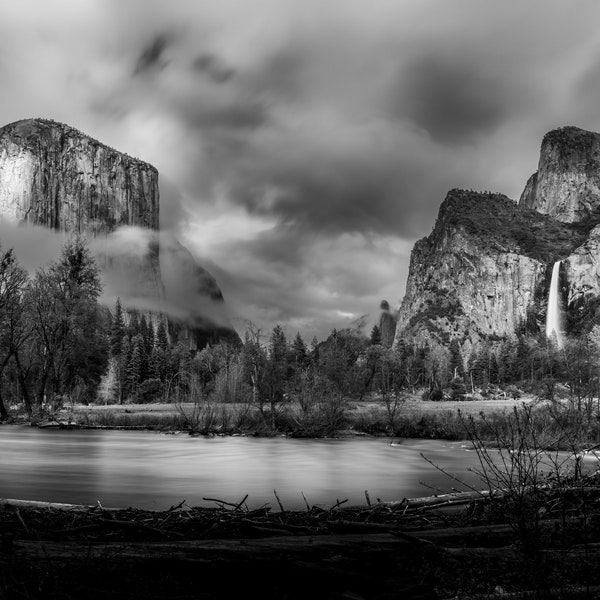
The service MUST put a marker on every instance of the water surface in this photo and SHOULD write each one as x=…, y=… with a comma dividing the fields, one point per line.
x=156, y=470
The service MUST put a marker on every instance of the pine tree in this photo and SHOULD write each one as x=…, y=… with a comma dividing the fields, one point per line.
x=456, y=365
x=150, y=339
x=133, y=327
x=494, y=369
x=300, y=351
x=117, y=330
x=135, y=366
x=123, y=362
x=162, y=340
x=144, y=329
x=314, y=350
x=375, y=336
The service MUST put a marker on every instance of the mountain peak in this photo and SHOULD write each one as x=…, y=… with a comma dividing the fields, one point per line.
x=566, y=185
x=38, y=130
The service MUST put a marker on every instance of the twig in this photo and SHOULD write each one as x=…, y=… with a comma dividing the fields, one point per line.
x=433, y=487
x=339, y=503
x=454, y=477
x=368, y=499
x=279, y=501
x=305, y=501
x=177, y=507
x=18, y=512
x=134, y=525
x=220, y=501
x=242, y=502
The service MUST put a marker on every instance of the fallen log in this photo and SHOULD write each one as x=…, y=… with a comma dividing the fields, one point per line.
x=51, y=505
x=454, y=498
x=210, y=550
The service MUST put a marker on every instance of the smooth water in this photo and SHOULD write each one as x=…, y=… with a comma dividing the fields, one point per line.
x=553, y=311
x=155, y=471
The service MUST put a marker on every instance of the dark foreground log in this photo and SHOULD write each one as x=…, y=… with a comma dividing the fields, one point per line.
x=293, y=547
x=346, y=566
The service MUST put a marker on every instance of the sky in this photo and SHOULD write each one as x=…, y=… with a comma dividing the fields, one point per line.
x=305, y=145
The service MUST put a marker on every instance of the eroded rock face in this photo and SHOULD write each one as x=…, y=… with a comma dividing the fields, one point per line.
x=56, y=176
x=566, y=185
x=485, y=267
x=461, y=281
x=582, y=270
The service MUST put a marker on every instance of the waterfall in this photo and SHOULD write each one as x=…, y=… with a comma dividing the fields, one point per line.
x=554, y=312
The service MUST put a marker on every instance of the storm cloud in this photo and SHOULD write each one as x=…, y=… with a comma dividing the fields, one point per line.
x=304, y=146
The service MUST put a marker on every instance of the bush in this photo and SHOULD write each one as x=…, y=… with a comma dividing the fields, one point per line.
x=149, y=391
x=434, y=395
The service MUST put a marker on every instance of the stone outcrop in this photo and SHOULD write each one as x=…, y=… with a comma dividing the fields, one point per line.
x=465, y=277
x=54, y=176
x=581, y=271
x=485, y=269
x=566, y=185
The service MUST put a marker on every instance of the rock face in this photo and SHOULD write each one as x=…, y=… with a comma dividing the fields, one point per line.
x=53, y=175
x=465, y=278
x=581, y=282
x=566, y=185
x=485, y=269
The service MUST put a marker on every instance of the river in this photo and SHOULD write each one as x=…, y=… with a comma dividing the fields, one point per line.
x=155, y=470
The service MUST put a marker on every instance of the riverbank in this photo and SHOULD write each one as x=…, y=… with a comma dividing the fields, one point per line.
x=414, y=418
x=498, y=545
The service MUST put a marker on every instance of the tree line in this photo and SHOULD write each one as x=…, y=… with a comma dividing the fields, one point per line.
x=58, y=344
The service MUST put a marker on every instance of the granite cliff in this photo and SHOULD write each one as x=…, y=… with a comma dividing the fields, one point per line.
x=566, y=185
x=484, y=271
x=54, y=176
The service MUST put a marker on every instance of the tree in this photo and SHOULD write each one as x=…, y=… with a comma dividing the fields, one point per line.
x=456, y=365
x=276, y=376
x=135, y=365
x=254, y=361
x=162, y=340
x=300, y=352
x=375, y=336
x=13, y=329
x=67, y=345
x=117, y=330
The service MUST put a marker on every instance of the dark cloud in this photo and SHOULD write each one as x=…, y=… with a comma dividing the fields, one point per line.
x=452, y=100
x=308, y=143
x=152, y=54
x=211, y=66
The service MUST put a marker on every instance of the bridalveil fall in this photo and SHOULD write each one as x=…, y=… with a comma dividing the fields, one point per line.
x=554, y=310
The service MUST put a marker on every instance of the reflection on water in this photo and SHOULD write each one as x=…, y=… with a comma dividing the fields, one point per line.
x=154, y=470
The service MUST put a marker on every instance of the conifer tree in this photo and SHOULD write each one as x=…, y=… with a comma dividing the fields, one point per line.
x=135, y=365
x=122, y=365
x=150, y=340
x=300, y=351
x=133, y=328
x=117, y=330
x=375, y=336
x=162, y=340
x=456, y=365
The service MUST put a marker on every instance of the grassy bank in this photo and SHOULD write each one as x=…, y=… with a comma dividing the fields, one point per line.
x=415, y=418
x=559, y=425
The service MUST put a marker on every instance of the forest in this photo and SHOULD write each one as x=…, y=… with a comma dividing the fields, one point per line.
x=59, y=346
